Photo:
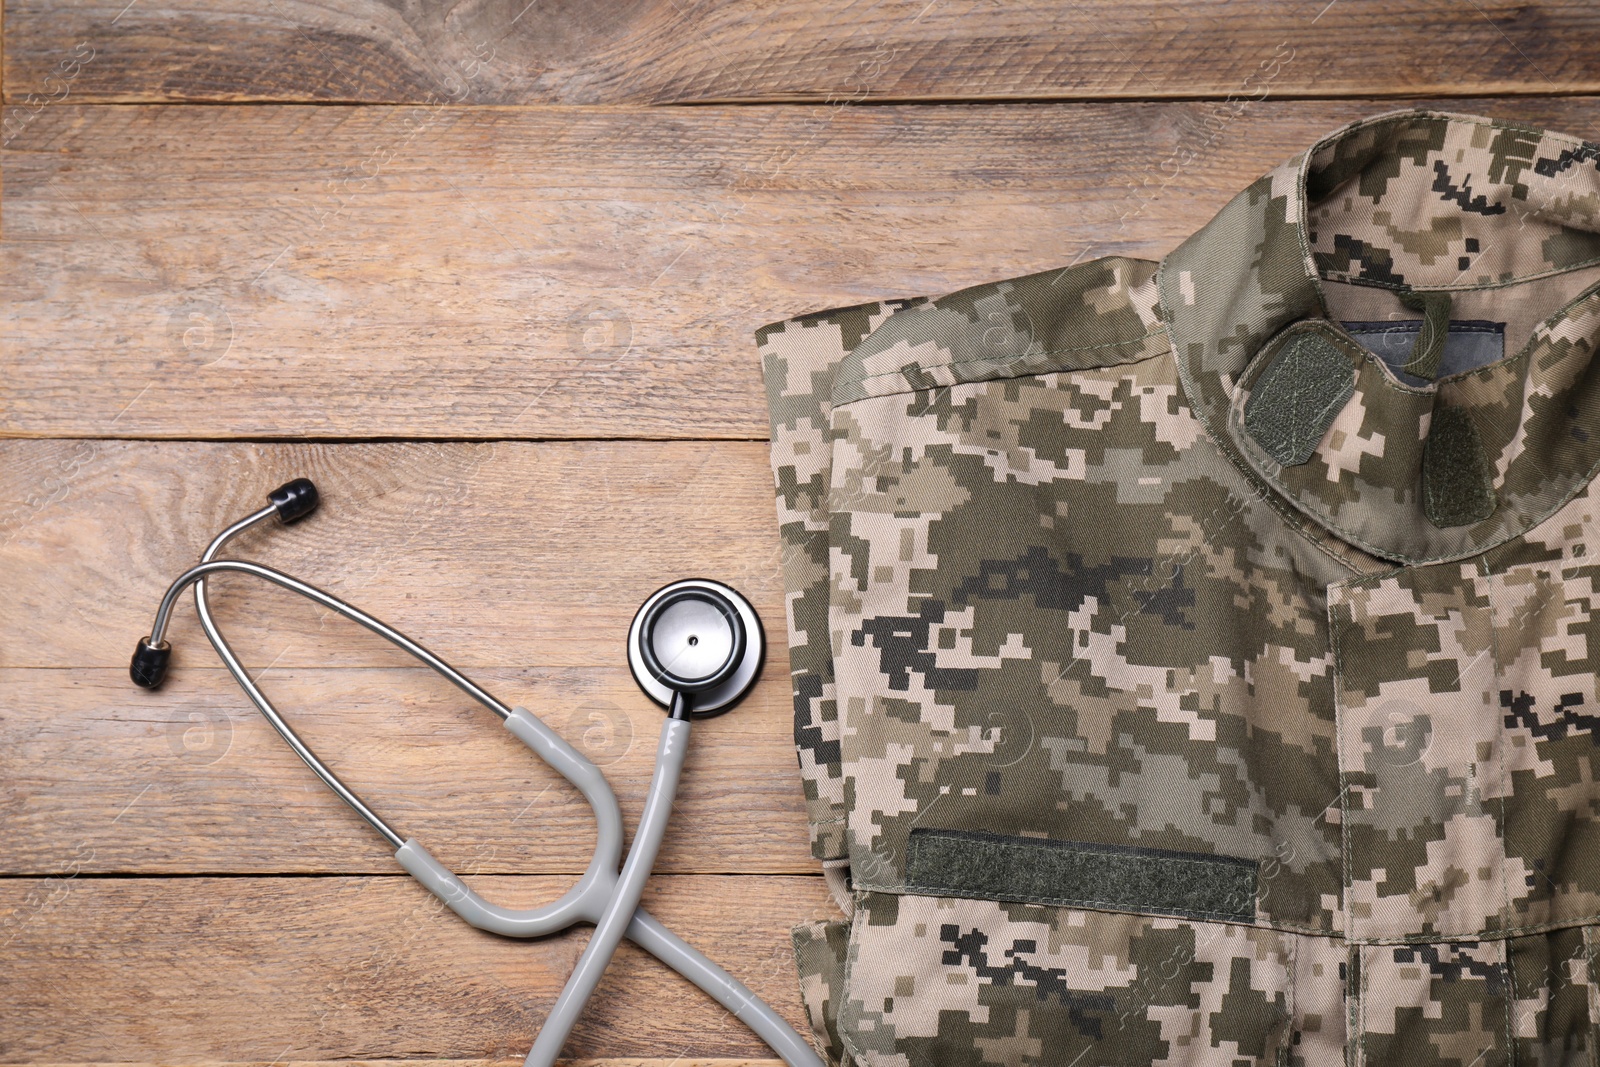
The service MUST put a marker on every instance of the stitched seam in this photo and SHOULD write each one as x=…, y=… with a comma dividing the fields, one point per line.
x=1347, y=279
x=1501, y=934
x=1500, y=747
x=1524, y=352
x=1413, y=326
x=856, y=921
x=1352, y=1006
x=1292, y=987
x=1511, y=1000
x=1255, y=924
x=794, y=941
x=1022, y=373
x=1119, y=907
x=1359, y=1008
x=1301, y=223
x=1341, y=720
x=1286, y=512
x=1512, y=532
x=1122, y=906
x=1593, y=1000
x=992, y=359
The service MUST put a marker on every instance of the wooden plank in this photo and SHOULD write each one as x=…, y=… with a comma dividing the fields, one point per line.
x=536, y=273
x=522, y=563
x=505, y=554
x=273, y=969
x=312, y=271
x=613, y=1061
x=513, y=52
x=108, y=778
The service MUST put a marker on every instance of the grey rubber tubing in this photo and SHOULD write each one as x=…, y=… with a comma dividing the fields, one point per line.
x=589, y=899
x=581, y=983
x=586, y=900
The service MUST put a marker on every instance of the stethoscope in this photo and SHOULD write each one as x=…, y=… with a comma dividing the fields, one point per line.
x=695, y=647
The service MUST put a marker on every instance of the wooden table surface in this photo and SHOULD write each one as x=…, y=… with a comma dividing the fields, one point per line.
x=488, y=272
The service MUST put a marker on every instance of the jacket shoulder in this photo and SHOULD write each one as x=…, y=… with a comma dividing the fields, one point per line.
x=1095, y=314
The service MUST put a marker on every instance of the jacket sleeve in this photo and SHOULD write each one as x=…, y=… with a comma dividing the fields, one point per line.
x=799, y=359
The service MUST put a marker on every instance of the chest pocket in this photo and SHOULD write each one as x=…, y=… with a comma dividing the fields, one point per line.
x=1468, y=736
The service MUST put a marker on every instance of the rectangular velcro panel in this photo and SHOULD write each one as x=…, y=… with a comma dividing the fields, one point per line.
x=1034, y=870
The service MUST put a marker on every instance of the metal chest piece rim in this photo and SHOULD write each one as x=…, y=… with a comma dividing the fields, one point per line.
x=718, y=680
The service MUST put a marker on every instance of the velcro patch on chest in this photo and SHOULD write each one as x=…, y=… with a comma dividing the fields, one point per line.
x=970, y=863
x=1297, y=397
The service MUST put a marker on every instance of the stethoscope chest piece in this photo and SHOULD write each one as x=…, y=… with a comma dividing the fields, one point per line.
x=696, y=636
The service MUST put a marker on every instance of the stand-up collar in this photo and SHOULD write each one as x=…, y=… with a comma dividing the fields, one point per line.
x=1411, y=200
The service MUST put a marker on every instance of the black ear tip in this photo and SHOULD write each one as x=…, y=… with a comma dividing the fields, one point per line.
x=149, y=667
x=294, y=500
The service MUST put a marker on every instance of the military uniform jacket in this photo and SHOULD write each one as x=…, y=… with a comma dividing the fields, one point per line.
x=1195, y=662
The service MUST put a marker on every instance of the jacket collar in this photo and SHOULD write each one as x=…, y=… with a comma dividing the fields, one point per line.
x=1440, y=202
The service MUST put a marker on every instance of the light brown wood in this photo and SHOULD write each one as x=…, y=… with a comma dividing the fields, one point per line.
x=535, y=273
x=522, y=563
x=509, y=538
x=657, y=51
x=280, y=969
x=503, y=554
x=110, y=778
x=613, y=1061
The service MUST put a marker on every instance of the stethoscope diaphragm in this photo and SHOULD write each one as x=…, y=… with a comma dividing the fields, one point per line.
x=696, y=636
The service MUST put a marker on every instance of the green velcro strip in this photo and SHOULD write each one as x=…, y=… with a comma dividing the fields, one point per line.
x=1034, y=870
x=1296, y=398
x=1457, y=482
x=1429, y=348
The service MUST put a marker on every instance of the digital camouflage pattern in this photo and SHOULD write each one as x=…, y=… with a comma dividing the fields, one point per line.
x=1047, y=582
x=820, y=949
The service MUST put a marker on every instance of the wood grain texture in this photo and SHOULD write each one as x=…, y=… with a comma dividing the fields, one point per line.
x=467, y=273
x=104, y=777
x=613, y=1061
x=274, y=969
x=509, y=1061
x=97, y=776
x=661, y=51
x=521, y=563
x=506, y=554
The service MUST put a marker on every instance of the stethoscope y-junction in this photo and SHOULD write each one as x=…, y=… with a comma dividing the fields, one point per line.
x=695, y=648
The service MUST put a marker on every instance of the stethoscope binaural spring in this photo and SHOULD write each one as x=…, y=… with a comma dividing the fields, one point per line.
x=695, y=647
